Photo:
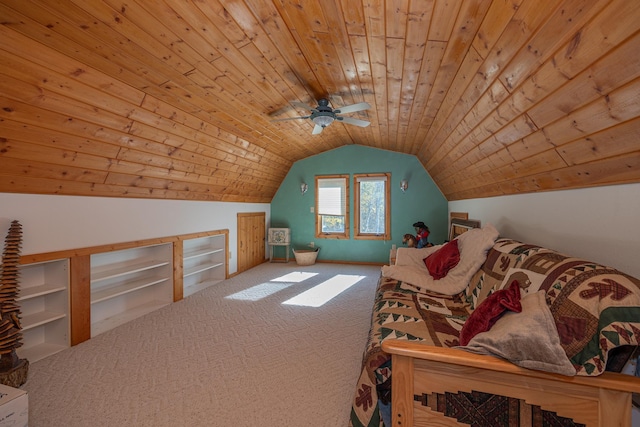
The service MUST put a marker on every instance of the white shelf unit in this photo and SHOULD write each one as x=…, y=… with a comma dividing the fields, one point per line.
x=44, y=305
x=204, y=263
x=129, y=283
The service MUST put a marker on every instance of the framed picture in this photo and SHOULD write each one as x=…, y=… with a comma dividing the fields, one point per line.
x=279, y=236
x=459, y=226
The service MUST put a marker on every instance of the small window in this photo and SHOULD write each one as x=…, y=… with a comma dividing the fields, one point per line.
x=372, y=214
x=332, y=214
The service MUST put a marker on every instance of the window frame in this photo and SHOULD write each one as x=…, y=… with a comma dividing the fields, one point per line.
x=326, y=235
x=387, y=207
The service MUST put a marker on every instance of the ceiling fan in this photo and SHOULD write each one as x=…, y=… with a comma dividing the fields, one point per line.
x=323, y=115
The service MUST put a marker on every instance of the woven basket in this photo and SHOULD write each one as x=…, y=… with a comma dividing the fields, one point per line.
x=306, y=256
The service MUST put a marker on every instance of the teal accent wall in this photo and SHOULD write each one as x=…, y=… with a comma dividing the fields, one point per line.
x=423, y=201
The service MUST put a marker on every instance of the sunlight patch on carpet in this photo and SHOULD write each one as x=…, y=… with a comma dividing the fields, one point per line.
x=263, y=290
x=258, y=292
x=296, y=277
x=325, y=291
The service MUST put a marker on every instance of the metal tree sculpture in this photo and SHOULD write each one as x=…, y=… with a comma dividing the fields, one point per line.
x=13, y=371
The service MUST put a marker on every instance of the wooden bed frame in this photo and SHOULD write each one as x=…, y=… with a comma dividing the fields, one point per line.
x=601, y=401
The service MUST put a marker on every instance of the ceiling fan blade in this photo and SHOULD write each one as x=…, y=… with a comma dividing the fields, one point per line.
x=352, y=121
x=353, y=108
x=290, y=118
x=280, y=110
x=317, y=129
x=302, y=105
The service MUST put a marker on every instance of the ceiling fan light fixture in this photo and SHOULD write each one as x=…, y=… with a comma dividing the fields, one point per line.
x=323, y=115
x=323, y=121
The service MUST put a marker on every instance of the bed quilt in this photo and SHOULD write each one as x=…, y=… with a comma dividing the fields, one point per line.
x=595, y=308
x=401, y=311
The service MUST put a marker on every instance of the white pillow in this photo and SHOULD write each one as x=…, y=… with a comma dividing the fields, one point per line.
x=473, y=246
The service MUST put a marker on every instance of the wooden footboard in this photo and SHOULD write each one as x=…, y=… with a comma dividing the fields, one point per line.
x=420, y=370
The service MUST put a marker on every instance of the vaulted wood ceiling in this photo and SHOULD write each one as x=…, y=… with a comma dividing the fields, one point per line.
x=175, y=98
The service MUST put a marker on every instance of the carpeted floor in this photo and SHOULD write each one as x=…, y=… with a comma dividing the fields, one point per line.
x=236, y=354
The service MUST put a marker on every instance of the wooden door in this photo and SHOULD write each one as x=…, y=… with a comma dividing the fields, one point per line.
x=251, y=240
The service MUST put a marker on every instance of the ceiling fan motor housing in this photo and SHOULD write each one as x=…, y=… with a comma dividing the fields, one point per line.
x=323, y=115
x=323, y=103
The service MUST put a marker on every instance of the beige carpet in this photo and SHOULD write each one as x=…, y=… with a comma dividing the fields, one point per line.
x=216, y=360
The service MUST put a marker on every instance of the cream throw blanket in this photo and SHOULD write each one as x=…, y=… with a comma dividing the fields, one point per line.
x=528, y=339
x=473, y=246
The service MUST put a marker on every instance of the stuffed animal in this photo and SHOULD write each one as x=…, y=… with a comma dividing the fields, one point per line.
x=422, y=235
x=409, y=240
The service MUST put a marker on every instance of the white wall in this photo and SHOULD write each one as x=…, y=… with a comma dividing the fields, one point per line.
x=599, y=224
x=52, y=223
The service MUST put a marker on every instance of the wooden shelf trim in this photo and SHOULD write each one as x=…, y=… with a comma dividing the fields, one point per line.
x=70, y=253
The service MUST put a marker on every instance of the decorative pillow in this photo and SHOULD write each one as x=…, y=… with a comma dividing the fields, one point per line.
x=491, y=309
x=529, y=281
x=528, y=339
x=444, y=259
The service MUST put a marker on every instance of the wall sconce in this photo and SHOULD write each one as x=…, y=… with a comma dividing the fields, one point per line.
x=303, y=188
x=404, y=184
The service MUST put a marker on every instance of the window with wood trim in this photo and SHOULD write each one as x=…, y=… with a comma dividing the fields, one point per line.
x=332, y=206
x=372, y=206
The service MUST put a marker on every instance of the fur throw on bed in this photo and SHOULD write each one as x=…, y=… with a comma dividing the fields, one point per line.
x=473, y=246
x=528, y=338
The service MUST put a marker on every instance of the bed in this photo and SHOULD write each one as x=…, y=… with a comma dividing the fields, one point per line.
x=415, y=333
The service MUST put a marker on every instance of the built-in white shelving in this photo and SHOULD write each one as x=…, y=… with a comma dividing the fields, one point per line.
x=68, y=297
x=44, y=305
x=204, y=263
x=129, y=283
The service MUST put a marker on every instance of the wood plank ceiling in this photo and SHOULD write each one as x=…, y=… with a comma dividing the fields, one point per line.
x=175, y=98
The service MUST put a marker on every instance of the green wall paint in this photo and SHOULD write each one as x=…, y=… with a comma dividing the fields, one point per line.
x=423, y=201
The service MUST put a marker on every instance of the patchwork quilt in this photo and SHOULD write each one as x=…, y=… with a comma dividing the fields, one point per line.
x=401, y=311
x=595, y=309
